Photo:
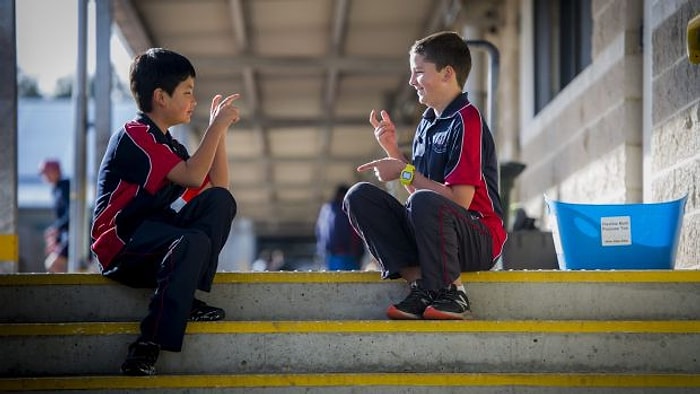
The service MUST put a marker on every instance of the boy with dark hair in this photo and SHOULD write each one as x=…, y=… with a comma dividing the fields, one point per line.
x=162, y=216
x=452, y=220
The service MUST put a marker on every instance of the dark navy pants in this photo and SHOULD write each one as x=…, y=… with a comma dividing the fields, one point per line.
x=176, y=256
x=430, y=231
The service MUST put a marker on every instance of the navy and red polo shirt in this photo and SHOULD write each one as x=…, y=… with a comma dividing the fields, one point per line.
x=457, y=148
x=132, y=184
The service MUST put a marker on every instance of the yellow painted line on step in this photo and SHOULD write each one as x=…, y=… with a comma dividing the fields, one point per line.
x=34, y=279
x=555, y=276
x=46, y=279
x=641, y=276
x=473, y=326
x=368, y=326
x=27, y=279
x=298, y=277
x=351, y=379
x=61, y=329
x=470, y=277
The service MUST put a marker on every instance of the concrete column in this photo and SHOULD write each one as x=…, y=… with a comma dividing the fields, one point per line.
x=9, y=243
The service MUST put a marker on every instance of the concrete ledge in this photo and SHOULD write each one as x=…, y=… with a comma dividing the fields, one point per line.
x=365, y=347
x=278, y=296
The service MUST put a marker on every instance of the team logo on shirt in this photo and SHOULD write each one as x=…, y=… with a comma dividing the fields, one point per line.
x=439, y=142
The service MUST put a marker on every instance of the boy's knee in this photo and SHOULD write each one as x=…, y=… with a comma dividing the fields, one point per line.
x=422, y=203
x=422, y=198
x=359, y=190
x=354, y=192
x=198, y=241
x=223, y=201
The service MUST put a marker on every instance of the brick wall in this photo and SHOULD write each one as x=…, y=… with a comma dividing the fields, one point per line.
x=675, y=121
x=589, y=144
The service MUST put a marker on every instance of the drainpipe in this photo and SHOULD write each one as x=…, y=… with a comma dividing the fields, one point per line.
x=647, y=104
x=494, y=66
x=492, y=77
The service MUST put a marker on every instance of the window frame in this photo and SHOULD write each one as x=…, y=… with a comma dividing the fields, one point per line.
x=562, y=45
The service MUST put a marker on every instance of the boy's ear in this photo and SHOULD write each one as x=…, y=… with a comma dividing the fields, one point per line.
x=159, y=97
x=448, y=73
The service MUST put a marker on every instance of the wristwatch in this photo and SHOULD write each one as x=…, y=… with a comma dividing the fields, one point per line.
x=407, y=174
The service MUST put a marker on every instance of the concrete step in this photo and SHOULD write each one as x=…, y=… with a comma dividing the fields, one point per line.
x=386, y=383
x=315, y=332
x=495, y=295
x=282, y=347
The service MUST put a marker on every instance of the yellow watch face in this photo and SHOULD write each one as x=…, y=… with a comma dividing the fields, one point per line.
x=406, y=176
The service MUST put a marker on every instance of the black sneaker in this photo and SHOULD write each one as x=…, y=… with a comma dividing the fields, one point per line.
x=141, y=360
x=412, y=307
x=449, y=304
x=203, y=312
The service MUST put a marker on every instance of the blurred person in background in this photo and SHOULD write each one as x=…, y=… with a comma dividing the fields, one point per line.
x=336, y=241
x=56, y=234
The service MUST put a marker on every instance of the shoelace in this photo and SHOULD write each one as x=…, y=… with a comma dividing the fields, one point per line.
x=147, y=352
x=418, y=295
x=451, y=294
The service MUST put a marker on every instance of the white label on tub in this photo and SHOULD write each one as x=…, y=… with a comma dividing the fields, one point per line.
x=616, y=230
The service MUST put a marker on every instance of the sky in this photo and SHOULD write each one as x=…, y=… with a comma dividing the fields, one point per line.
x=47, y=46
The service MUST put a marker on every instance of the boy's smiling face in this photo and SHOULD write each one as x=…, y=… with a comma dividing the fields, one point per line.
x=424, y=78
x=435, y=89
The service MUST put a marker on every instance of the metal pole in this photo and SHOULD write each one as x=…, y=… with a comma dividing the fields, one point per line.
x=77, y=250
x=103, y=83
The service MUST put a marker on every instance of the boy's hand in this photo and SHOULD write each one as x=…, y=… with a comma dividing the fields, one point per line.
x=386, y=169
x=384, y=131
x=223, y=110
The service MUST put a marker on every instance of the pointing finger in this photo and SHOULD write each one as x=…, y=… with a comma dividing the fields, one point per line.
x=366, y=166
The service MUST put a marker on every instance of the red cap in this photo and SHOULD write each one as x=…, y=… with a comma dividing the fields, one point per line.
x=49, y=164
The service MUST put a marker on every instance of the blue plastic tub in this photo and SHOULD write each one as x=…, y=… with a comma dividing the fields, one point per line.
x=616, y=236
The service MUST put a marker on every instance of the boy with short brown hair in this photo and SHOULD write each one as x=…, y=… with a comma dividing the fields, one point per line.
x=452, y=221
